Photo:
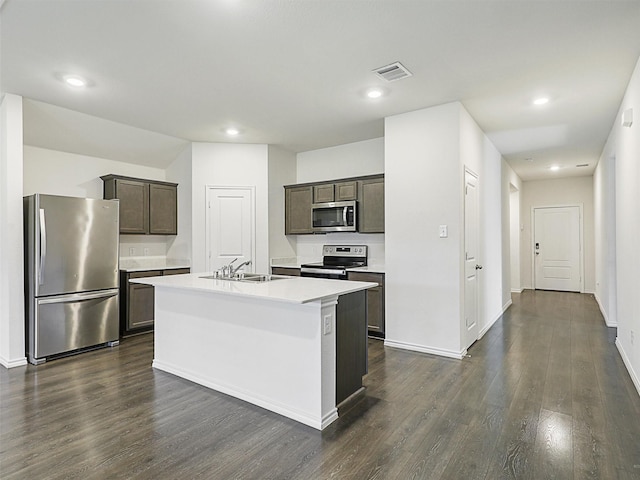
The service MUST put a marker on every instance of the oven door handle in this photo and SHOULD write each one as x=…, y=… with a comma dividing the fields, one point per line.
x=324, y=271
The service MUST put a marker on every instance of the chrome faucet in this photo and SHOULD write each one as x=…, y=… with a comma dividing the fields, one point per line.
x=232, y=270
x=228, y=269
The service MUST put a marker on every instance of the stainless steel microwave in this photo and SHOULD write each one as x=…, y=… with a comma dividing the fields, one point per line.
x=334, y=217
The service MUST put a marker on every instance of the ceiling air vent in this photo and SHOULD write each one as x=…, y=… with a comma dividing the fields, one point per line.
x=582, y=165
x=393, y=72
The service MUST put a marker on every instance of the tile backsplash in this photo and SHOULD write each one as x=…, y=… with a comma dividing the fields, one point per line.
x=143, y=246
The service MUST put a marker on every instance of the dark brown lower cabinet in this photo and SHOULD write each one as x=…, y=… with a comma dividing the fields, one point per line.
x=136, y=300
x=375, y=301
x=351, y=344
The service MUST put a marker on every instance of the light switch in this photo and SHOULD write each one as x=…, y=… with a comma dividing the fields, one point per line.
x=444, y=231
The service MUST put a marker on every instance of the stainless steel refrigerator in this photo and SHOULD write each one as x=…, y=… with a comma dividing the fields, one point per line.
x=71, y=274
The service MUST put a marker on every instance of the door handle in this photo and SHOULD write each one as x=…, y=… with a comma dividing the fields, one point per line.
x=478, y=267
x=43, y=247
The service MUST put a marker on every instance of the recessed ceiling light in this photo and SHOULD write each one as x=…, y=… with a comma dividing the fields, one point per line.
x=541, y=100
x=75, y=81
x=374, y=93
x=554, y=168
x=231, y=131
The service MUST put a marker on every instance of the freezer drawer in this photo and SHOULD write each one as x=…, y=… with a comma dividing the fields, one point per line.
x=69, y=322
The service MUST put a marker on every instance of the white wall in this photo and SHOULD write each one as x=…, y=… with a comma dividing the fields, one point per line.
x=227, y=164
x=344, y=161
x=350, y=160
x=557, y=192
x=514, y=239
x=12, y=352
x=282, y=171
x=478, y=154
x=604, y=204
x=512, y=214
x=426, y=153
x=495, y=250
x=422, y=191
x=62, y=173
x=624, y=146
x=179, y=246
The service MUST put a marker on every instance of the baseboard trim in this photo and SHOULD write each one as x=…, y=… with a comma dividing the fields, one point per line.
x=16, y=362
x=414, y=347
x=505, y=307
x=301, y=416
x=627, y=363
x=517, y=290
x=486, y=328
x=604, y=314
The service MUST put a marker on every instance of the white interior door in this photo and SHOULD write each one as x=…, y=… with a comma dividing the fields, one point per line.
x=557, y=249
x=230, y=227
x=471, y=260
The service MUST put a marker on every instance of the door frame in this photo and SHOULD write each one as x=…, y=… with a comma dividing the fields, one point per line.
x=580, y=234
x=478, y=300
x=209, y=189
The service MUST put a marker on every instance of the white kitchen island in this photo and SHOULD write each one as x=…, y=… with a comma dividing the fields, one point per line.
x=269, y=343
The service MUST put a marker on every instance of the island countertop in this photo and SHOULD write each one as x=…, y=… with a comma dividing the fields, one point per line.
x=284, y=289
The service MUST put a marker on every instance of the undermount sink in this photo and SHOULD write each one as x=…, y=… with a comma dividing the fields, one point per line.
x=245, y=277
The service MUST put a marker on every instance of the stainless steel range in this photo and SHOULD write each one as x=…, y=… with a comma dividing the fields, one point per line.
x=336, y=259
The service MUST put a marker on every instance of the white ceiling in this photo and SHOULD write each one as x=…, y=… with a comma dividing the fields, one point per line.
x=292, y=72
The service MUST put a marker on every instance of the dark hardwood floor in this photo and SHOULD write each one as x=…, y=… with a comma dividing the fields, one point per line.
x=544, y=394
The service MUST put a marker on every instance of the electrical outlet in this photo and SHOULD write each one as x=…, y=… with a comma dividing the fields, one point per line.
x=146, y=252
x=326, y=325
x=632, y=337
x=132, y=251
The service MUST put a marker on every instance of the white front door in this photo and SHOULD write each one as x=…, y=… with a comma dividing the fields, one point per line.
x=471, y=260
x=557, y=248
x=230, y=227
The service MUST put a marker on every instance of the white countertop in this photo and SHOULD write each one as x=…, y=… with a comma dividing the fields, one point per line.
x=139, y=264
x=286, y=289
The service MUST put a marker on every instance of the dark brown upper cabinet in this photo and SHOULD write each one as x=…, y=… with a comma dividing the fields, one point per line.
x=335, y=192
x=367, y=190
x=147, y=207
x=323, y=193
x=371, y=205
x=298, y=210
x=346, y=191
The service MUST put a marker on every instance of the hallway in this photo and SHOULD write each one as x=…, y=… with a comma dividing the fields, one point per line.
x=544, y=394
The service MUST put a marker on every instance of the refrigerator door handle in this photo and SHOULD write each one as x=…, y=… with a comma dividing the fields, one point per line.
x=77, y=297
x=43, y=247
